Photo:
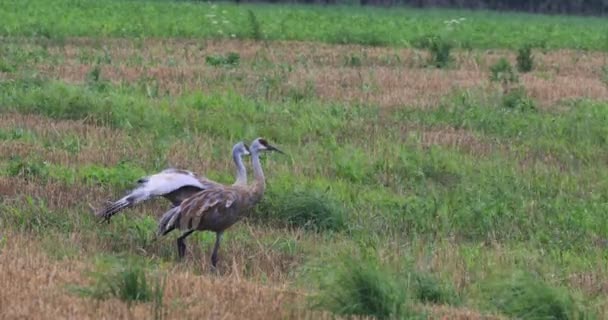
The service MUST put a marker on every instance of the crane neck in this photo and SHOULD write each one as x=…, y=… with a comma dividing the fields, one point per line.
x=241, y=171
x=258, y=173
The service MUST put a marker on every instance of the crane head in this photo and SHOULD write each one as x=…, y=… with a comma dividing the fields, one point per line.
x=241, y=149
x=260, y=144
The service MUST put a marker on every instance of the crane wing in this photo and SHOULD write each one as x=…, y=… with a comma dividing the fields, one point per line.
x=164, y=183
x=206, y=200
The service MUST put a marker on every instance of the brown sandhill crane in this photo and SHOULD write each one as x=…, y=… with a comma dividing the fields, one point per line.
x=174, y=185
x=216, y=209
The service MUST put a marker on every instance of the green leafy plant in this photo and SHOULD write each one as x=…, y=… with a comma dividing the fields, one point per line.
x=255, y=29
x=309, y=209
x=525, y=59
x=440, y=52
x=525, y=296
x=361, y=287
x=428, y=289
x=502, y=72
x=127, y=282
x=518, y=99
x=230, y=60
x=604, y=74
x=28, y=168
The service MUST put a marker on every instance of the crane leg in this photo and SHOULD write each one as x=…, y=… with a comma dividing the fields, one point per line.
x=218, y=238
x=181, y=246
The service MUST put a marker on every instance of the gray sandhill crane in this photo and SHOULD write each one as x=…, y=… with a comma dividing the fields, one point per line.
x=216, y=209
x=174, y=185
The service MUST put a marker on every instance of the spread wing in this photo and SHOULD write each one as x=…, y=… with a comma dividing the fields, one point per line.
x=169, y=183
x=204, y=182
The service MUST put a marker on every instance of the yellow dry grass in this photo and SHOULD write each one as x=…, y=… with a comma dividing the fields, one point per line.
x=36, y=287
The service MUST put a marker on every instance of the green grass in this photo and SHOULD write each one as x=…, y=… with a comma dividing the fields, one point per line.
x=527, y=192
x=523, y=295
x=435, y=191
x=124, y=280
x=363, y=288
x=341, y=24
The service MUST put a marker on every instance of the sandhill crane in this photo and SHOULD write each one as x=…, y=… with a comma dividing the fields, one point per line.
x=216, y=209
x=174, y=185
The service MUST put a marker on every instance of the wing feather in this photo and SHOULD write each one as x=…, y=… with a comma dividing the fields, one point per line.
x=208, y=200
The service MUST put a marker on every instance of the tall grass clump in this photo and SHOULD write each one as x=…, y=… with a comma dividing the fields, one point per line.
x=525, y=59
x=525, y=296
x=428, y=289
x=255, y=29
x=439, y=51
x=503, y=73
x=518, y=99
x=361, y=287
x=127, y=282
x=306, y=209
x=514, y=95
x=604, y=74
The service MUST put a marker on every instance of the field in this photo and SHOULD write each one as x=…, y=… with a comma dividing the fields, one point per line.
x=413, y=186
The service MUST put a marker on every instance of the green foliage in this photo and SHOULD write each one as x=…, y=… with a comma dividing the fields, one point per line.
x=127, y=282
x=361, y=287
x=428, y=289
x=230, y=60
x=29, y=168
x=514, y=97
x=6, y=66
x=34, y=216
x=524, y=295
x=309, y=210
x=518, y=99
x=604, y=74
x=525, y=59
x=369, y=26
x=123, y=175
x=347, y=35
x=15, y=134
x=132, y=234
x=440, y=52
x=502, y=72
x=255, y=29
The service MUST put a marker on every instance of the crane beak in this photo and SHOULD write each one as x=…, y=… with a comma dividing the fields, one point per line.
x=273, y=148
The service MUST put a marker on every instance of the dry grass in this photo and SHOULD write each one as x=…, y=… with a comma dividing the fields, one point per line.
x=34, y=287
x=103, y=146
x=451, y=313
x=384, y=76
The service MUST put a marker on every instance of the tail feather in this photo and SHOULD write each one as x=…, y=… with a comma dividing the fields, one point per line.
x=115, y=207
x=168, y=221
